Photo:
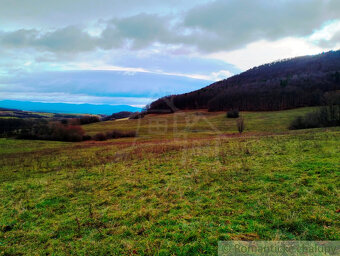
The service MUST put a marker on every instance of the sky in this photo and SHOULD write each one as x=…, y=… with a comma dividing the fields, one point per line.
x=132, y=52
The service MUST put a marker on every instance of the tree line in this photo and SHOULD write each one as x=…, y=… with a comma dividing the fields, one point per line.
x=62, y=130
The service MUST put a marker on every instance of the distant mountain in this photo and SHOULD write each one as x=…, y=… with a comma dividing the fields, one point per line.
x=285, y=84
x=66, y=108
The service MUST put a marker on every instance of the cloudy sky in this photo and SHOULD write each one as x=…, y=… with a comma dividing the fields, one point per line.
x=133, y=51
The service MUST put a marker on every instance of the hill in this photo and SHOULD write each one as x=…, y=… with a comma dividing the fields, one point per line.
x=186, y=182
x=66, y=108
x=198, y=123
x=119, y=115
x=285, y=84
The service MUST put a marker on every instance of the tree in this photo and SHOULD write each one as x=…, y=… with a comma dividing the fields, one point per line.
x=240, y=124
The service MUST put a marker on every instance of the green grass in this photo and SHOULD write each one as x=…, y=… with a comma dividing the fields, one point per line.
x=193, y=122
x=170, y=193
x=10, y=112
x=7, y=117
x=18, y=146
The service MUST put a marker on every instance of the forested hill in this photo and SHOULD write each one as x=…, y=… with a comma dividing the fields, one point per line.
x=285, y=84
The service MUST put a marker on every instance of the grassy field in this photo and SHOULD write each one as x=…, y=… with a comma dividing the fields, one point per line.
x=187, y=181
x=31, y=114
x=12, y=114
x=193, y=122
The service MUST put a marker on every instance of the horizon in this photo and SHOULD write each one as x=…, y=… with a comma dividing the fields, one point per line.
x=110, y=54
x=101, y=108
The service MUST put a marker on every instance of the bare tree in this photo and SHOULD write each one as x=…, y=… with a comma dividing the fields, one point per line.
x=240, y=124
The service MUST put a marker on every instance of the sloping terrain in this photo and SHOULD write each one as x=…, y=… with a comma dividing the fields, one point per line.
x=285, y=84
x=188, y=181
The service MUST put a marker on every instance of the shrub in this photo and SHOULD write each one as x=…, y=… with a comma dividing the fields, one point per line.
x=73, y=121
x=87, y=137
x=120, y=134
x=233, y=113
x=240, y=124
x=100, y=137
x=41, y=130
x=137, y=115
x=66, y=132
x=14, y=126
x=119, y=115
x=89, y=119
x=324, y=117
x=113, y=135
x=53, y=131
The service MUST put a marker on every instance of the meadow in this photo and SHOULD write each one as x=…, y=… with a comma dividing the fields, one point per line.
x=186, y=182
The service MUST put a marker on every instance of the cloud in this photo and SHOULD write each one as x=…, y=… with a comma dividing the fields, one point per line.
x=263, y=51
x=333, y=41
x=97, y=83
x=102, y=83
x=61, y=97
x=68, y=39
x=61, y=13
x=166, y=62
x=233, y=24
x=136, y=32
x=140, y=30
x=212, y=27
x=147, y=49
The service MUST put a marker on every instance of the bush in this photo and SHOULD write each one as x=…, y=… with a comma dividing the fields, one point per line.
x=87, y=137
x=137, y=115
x=53, y=131
x=89, y=119
x=14, y=126
x=82, y=120
x=38, y=130
x=41, y=130
x=325, y=117
x=100, y=137
x=240, y=124
x=233, y=113
x=66, y=132
x=119, y=134
x=113, y=135
x=119, y=115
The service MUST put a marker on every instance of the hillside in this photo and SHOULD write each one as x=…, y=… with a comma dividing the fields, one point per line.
x=186, y=182
x=285, y=84
x=193, y=124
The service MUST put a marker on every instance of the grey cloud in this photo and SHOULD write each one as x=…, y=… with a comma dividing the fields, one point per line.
x=99, y=83
x=142, y=30
x=20, y=38
x=335, y=40
x=68, y=39
x=59, y=13
x=235, y=23
x=214, y=26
